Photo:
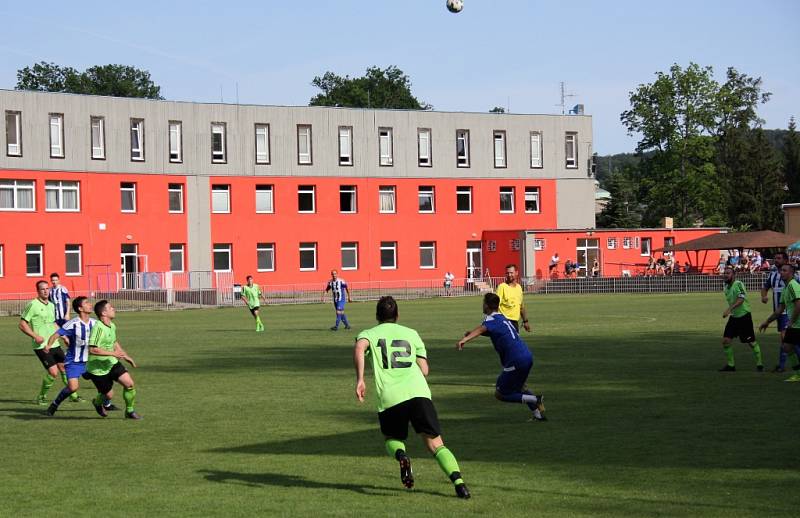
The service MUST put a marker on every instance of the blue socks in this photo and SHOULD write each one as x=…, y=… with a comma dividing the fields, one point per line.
x=344, y=320
x=338, y=319
x=64, y=394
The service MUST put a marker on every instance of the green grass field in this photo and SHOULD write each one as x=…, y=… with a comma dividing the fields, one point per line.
x=242, y=424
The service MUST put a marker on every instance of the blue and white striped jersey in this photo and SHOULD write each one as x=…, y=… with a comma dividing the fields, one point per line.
x=337, y=289
x=78, y=333
x=59, y=296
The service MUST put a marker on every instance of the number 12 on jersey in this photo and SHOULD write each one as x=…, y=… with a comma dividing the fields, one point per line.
x=396, y=350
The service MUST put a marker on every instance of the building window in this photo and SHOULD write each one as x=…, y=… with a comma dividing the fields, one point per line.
x=308, y=257
x=426, y=199
x=219, y=144
x=56, y=135
x=611, y=243
x=388, y=255
x=536, y=149
x=137, y=140
x=304, y=156
x=531, y=200
x=385, y=146
x=262, y=144
x=72, y=255
x=345, y=145
x=13, y=133
x=305, y=199
x=646, y=246
x=265, y=257
x=222, y=257
x=571, y=149
x=33, y=260
x=626, y=243
x=349, y=255
x=175, y=142
x=386, y=196
x=17, y=195
x=462, y=148
x=491, y=245
x=499, y=138
x=506, y=199
x=127, y=192
x=98, y=130
x=464, y=199
x=1, y=260
x=175, y=193
x=62, y=196
x=221, y=199
x=347, y=198
x=669, y=242
x=424, y=156
x=176, y=257
x=264, y=199
x=427, y=254
x=538, y=244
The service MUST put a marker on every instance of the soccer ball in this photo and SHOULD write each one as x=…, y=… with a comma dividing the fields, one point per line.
x=455, y=6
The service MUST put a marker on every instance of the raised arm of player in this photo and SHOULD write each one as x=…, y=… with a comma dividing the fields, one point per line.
x=358, y=362
x=478, y=331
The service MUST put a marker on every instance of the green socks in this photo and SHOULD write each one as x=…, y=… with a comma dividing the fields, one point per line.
x=392, y=446
x=757, y=354
x=99, y=399
x=259, y=324
x=729, y=354
x=129, y=395
x=447, y=461
x=47, y=382
x=64, y=378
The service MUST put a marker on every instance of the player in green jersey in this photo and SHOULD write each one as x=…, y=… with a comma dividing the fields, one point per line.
x=104, y=367
x=790, y=302
x=252, y=296
x=740, y=322
x=400, y=364
x=38, y=321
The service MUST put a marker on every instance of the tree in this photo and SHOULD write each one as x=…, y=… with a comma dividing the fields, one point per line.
x=791, y=161
x=378, y=88
x=622, y=211
x=111, y=80
x=497, y=109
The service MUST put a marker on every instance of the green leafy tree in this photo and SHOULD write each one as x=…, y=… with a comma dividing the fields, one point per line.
x=111, y=80
x=378, y=88
x=497, y=109
x=622, y=210
x=791, y=161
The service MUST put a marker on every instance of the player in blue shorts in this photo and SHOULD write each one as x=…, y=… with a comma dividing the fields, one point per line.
x=338, y=288
x=515, y=357
x=774, y=282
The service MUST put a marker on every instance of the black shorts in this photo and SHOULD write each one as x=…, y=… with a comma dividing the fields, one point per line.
x=53, y=357
x=792, y=336
x=419, y=411
x=105, y=382
x=741, y=327
x=253, y=310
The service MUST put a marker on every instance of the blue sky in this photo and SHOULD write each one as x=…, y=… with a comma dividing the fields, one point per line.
x=496, y=52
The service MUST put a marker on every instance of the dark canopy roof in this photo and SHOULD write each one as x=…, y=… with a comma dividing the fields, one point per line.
x=731, y=240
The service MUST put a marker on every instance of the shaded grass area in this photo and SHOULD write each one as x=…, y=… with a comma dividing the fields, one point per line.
x=238, y=423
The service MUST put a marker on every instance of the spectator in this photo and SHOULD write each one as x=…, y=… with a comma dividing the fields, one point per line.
x=554, y=263
x=448, y=283
x=595, y=268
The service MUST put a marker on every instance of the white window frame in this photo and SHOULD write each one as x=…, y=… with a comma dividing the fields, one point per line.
x=75, y=250
x=97, y=127
x=349, y=246
x=424, y=147
x=60, y=187
x=173, y=188
x=16, y=148
x=426, y=191
x=533, y=192
x=626, y=243
x=539, y=244
x=389, y=245
x=222, y=248
x=460, y=191
x=269, y=250
x=642, y=251
x=352, y=190
x=56, y=135
x=307, y=247
x=40, y=253
x=305, y=190
x=304, y=135
x=345, y=145
x=500, y=149
x=571, y=147
x=219, y=156
x=175, y=248
x=389, y=191
x=16, y=186
x=263, y=150
x=537, y=161
x=611, y=243
x=217, y=198
x=132, y=190
x=385, y=147
x=462, y=159
x=427, y=246
x=265, y=188
x=175, y=142
x=510, y=193
x=137, y=128
x=1, y=260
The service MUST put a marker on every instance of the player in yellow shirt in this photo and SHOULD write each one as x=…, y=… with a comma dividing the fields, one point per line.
x=512, y=305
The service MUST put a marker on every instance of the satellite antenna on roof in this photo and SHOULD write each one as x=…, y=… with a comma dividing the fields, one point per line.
x=564, y=96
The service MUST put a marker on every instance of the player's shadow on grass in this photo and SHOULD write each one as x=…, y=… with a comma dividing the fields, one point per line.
x=37, y=414
x=281, y=480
